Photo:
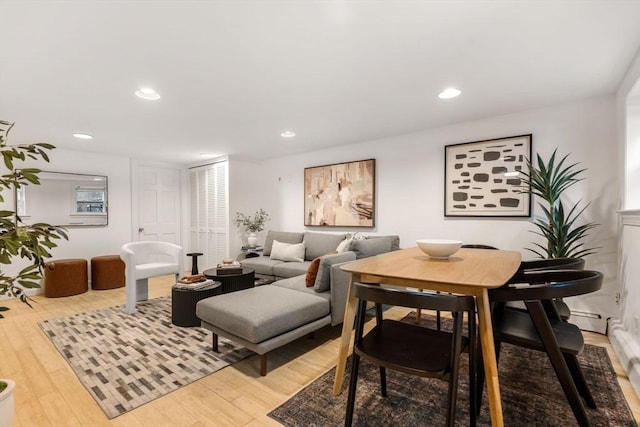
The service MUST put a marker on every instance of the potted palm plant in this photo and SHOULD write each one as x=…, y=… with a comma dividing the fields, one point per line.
x=559, y=226
x=32, y=242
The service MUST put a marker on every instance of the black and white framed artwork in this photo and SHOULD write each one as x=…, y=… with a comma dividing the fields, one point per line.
x=483, y=178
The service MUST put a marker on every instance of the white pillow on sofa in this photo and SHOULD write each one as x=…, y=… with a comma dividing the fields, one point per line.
x=287, y=251
x=345, y=245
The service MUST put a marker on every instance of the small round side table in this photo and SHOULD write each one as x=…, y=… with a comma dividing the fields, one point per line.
x=194, y=261
x=184, y=300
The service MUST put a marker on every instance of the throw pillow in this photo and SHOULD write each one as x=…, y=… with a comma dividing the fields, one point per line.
x=344, y=246
x=287, y=251
x=312, y=272
x=370, y=247
x=280, y=236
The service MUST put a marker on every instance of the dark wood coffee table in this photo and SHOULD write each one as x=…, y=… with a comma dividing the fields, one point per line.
x=232, y=282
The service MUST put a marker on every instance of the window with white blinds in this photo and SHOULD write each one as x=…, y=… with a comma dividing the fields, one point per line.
x=209, y=225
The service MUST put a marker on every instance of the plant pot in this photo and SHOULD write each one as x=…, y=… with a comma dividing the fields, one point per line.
x=6, y=403
x=252, y=240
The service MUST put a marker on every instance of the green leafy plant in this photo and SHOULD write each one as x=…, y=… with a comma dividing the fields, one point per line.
x=253, y=223
x=548, y=180
x=33, y=241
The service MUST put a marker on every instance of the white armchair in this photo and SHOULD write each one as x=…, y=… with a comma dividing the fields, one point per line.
x=148, y=259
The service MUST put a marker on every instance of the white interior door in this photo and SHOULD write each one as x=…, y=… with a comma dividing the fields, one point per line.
x=158, y=195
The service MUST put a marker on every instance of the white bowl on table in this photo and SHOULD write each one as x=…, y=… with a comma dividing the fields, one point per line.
x=439, y=248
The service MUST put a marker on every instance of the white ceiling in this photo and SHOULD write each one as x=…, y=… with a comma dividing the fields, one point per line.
x=234, y=74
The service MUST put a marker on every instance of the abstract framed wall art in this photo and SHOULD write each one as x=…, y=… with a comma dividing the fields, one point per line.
x=483, y=178
x=340, y=195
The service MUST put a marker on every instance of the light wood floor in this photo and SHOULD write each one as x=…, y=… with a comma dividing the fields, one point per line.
x=49, y=394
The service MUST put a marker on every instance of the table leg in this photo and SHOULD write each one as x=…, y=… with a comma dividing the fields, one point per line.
x=489, y=358
x=345, y=338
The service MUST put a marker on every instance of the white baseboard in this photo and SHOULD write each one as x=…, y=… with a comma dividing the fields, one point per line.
x=627, y=349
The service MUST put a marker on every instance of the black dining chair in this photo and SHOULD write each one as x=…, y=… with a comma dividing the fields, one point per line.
x=412, y=349
x=542, y=329
x=551, y=264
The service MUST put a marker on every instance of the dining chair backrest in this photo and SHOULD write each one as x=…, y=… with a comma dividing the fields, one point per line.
x=478, y=246
x=421, y=300
x=553, y=264
x=548, y=285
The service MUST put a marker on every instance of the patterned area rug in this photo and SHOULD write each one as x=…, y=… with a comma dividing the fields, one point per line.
x=531, y=395
x=125, y=361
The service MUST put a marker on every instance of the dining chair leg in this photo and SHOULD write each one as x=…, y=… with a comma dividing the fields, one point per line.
x=580, y=380
x=418, y=315
x=383, y=381
x=541, y=322
x=351, y=397
x=453, y=376
x=378, y=314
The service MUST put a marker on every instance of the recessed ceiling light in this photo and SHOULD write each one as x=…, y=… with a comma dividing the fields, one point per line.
x=287, y=134
x=450, y=92
x=147, y=93
x=82, y=136
x=207, y=155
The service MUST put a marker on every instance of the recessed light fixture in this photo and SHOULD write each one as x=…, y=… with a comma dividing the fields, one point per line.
x=82, y=136
x=147, y=93
x=448, y=93
x=287, y=134
x=207, y=155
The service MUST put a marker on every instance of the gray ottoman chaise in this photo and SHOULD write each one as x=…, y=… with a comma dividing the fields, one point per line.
x=267, y=317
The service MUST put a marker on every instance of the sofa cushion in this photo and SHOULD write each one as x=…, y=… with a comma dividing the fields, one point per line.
x=312, y=272
x=298, y=284
x=287, y=251
x=291, y=269
x=323, y=279
x=370, y=247
x=261, y=265
x=394, y=240
x=318, y=244
x=280, y=236
x=258, y=314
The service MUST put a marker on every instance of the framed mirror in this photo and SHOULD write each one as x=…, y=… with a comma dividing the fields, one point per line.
x=66, y=199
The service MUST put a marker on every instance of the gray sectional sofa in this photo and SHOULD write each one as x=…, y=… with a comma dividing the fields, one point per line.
x=266, y=317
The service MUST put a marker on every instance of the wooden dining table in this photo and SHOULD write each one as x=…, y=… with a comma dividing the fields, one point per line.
x=466, y=272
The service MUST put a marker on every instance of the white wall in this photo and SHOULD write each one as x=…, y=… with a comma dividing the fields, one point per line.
x=625, y=327
x=410, y=184
x=86, y=242
x=632, y=153
x=247, y=194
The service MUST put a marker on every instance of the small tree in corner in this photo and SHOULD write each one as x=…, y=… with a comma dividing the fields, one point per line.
x=32, y=242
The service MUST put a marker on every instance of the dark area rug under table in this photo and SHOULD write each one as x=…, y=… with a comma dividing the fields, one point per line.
x=531, y=395
x=127, y=360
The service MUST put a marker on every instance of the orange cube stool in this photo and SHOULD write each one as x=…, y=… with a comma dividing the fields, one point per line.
x=65, y=277
x=107, y=272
